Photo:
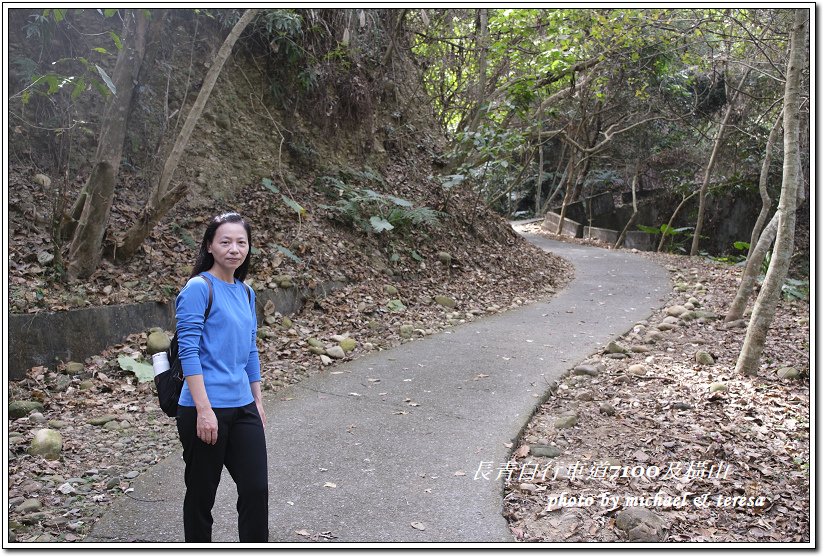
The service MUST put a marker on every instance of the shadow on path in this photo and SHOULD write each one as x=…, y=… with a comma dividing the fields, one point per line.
x=401, y=433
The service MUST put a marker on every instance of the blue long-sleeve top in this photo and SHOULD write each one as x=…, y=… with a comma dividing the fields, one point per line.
x=223, y=349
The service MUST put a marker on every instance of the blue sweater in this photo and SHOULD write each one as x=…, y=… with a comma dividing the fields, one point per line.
x=224, y=350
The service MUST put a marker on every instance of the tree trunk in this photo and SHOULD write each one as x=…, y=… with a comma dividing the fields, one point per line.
x=162, y=197
x=766, y=202
x=672, y=219
x=482, y=41
x=567, y=194
x=770, y=293
x=84, y=253
x=540, y=182
x=702, y=193
x=86, y=247
x=620, y=241
x=765, y=240
x=394, y=37
x=756, y=251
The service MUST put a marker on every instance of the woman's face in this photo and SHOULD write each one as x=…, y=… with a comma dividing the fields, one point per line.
x=230, y=246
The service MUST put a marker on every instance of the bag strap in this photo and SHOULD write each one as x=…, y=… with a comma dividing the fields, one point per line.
x=208, y=305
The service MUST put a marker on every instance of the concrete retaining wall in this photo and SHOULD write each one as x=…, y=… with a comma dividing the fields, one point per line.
x=570, y=227
x=44, y=339
x=639, y=240
x=603, y=234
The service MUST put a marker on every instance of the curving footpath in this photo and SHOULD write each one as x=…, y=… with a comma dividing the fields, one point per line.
x=360, y=452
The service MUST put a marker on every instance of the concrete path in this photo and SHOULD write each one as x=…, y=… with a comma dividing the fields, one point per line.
x=364, y=450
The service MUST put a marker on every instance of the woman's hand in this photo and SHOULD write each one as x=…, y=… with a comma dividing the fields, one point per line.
x=259, y=405
x=255, y=386
x=207, y=426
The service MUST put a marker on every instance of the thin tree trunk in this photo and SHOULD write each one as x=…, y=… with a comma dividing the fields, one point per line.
x=620, y=241
x=756, y=251
x=162, y=197
x=540, y=180
x=482, y=41
x=765, y=240
x=702, y=193
x=96, y=197
x=567, y=195
x=394, y=37
x=551, y=197
x=672, y=218
x=766, y=202
x=770, y=293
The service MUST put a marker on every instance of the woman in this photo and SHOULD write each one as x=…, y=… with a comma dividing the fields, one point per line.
x=220, y=416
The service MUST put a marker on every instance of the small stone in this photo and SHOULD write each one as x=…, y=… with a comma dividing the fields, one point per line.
x=606, y=408
x=102, y=420
x=676, y=311
x=157, y=342
x=37, y=418
x=132, y=474
x=348, y=344
x=545, y=450
x=317, y=350
x=113, y=425
x=681, y=406
x=666, y=326
x=737, y=324
x=47, y=443
x=444, y=257
x=529, y=488
x=445, y=301
x=639, y=349
x=45, y=258
x=86, y=385
x=21, y=408
x=42, y=180
x=315, y=342
x=390, y=290
x=566, y=421
x=689, y=306
x=704, y=358
x=637, y=369
x=788, y=373
x=615, y=348
x=73, y=368
x=640, y=524
x=112, y=483
x=325, y=360
x=586, y=369
x=406, y=331
x=335, y=352
x=586, y=396
x=66, y=489
x=29, y=505
x=616, y=356
x=718, y=387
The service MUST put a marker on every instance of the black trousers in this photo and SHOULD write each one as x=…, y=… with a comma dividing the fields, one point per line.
x=241, y=447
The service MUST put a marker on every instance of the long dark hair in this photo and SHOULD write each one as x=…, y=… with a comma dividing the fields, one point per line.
x=205, y=260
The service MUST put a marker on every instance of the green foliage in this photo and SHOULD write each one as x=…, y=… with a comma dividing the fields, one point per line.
x=184, y=236
x=796, y=289
x=142, y=371
x=372, y=211
x=288, y=201
x=677, y=236
x=75, y=74
x=287, y=252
